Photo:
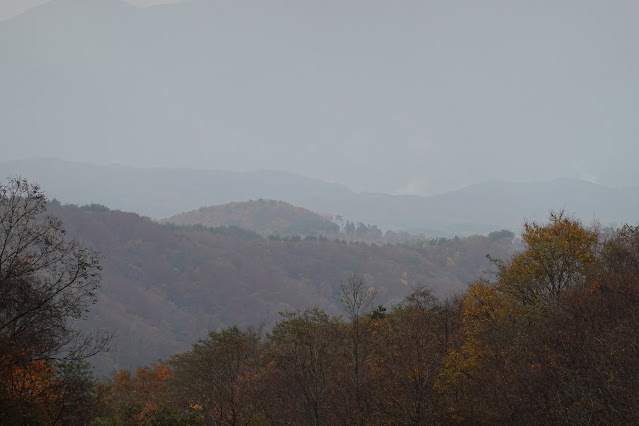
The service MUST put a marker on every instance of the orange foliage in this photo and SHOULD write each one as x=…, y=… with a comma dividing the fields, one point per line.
x=33, y=383
x=34, y=379
x=138, y=394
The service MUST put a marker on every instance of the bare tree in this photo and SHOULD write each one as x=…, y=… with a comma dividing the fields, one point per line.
x=48, y=282
x=357, y=297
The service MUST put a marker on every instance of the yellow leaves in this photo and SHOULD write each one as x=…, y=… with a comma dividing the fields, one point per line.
x=558, y=255
x=483, y=305
x=457, y=365
x=569, y=233
x=483, y=309
x=561, y=239
x=486, y=307
x=496, y=315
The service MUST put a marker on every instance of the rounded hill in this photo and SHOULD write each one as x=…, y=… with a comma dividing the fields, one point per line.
x=266, y=217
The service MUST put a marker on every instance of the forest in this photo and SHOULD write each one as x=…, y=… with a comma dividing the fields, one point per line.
x=549, y=338
x=164, y=287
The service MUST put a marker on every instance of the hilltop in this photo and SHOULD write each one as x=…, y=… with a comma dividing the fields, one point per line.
x=266, y=217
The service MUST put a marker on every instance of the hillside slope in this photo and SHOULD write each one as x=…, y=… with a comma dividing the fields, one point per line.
x=266, y=217
x=165, y=288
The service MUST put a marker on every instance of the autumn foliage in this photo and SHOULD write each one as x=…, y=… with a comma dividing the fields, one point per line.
x=552, y=339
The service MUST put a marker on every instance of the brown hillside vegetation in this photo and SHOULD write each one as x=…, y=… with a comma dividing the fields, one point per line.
x=164, y=288
x=266, y=217
x=552, y=340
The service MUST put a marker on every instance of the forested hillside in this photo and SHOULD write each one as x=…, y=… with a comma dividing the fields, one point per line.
x=551, y=339
x=163, y=287
x=266, y=217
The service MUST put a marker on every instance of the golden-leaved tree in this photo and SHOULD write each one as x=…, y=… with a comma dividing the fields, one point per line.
x=494, y=365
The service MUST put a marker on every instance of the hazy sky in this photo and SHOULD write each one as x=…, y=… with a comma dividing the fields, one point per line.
x=390, y=96
x=12, y=8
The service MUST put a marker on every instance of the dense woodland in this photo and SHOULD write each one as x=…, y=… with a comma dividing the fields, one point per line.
x=277, y=220
x=549, y=338
x=164, y=287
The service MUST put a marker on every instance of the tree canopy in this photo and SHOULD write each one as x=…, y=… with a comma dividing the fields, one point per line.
x=552, y=339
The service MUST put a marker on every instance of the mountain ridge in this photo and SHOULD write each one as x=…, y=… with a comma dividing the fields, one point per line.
x=299, y=87
x=481, y=208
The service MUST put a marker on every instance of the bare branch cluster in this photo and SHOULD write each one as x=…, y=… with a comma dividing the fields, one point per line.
x=47, y=281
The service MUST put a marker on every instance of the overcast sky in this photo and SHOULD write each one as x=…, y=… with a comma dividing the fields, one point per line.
x=12, y=8
x=385, y=96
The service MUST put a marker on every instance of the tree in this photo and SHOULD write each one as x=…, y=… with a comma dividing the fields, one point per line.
x=357, y=297
x=557, y=255
x=410, y=343
x=220, y=375
x=48, y=281
x=497, y=235
x=144, y=398
x=302, y=350
x=349, y=228
x=499, y=365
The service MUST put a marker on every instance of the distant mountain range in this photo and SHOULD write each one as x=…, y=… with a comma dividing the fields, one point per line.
x=161, y=193
x=318, y=88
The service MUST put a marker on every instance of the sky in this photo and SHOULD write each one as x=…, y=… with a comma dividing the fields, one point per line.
x=414, y=97
x=12, y=8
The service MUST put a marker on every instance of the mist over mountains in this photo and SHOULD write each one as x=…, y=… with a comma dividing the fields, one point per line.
x=160, y=193
x=416, y=98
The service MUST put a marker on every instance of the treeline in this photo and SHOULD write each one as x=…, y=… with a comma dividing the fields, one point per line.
x=354, y=235
x=552, y=339
x=277, y=220
x=234, y=231
x=92, y=207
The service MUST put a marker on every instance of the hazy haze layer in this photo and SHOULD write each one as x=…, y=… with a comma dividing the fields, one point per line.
x=408, y=97
x=479, y=208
